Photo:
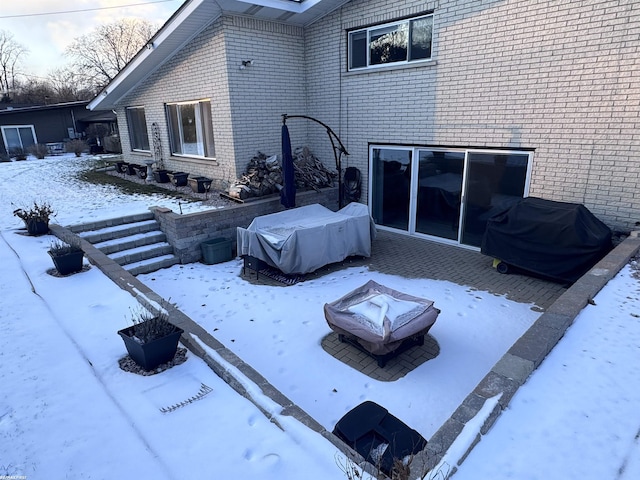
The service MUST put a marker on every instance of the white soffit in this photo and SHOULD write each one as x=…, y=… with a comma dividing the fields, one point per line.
x=188, y=21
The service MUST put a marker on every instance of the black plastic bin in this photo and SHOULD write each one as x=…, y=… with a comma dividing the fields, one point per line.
x=369, y=427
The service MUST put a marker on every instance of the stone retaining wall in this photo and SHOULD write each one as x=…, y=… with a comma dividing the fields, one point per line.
x=186, y=232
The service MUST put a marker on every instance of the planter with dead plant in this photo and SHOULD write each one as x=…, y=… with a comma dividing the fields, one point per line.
x=152, y=340
x=36, y=217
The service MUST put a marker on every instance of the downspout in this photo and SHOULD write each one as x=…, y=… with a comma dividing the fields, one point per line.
x=73, y=121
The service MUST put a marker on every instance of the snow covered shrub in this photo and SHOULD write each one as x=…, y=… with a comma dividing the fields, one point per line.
x=38, y=150
x=76, y=146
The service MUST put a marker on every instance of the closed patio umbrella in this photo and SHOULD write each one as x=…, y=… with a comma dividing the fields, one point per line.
x=288, y=192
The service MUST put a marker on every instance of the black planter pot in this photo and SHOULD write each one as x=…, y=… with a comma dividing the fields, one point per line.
x=131, y=168
x=141, y=171
x=161, y=176
x=68, y=263
x=150, y=355
x=200, y=184
x=121, y=167
x=37, y=227
x=179, y=179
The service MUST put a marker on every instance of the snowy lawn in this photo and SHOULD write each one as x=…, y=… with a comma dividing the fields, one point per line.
x=577, y=416
x=54, y=180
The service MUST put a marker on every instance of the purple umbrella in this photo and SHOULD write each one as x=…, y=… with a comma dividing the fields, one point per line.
x=288, y=192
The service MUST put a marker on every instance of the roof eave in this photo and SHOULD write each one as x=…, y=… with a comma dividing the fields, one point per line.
x=188, y=21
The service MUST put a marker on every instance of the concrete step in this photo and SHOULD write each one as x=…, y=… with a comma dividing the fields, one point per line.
x=132, y=241
x=151, y=265
x=112, y=222
x=135, y=242
x=119, y=231
x=144, y=252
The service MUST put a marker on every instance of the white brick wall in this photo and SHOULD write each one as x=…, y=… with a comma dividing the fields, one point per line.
x=246, y=104
x=197, y=72
x=272, y=86
x=558, y=77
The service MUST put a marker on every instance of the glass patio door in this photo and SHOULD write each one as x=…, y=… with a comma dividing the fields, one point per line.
x=447, y=194
x=494, y=182
x=438, y=193
x=390, y=176
x=22, y=136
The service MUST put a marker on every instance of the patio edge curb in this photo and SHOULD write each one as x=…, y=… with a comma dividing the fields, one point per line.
x=151, y=300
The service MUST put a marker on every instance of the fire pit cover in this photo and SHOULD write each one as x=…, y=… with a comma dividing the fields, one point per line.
x=379, y=317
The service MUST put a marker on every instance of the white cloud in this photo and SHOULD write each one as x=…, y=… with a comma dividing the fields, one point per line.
x=47, y=36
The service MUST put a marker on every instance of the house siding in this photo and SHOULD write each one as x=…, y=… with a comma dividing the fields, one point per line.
x=51, y=124
x=272, y=86
x=197, y=72
x=246, y=103
x=559, y=78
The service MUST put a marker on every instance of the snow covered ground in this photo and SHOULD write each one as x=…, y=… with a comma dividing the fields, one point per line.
x=68, y=411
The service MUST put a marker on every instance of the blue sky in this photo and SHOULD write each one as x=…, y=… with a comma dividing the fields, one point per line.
x=46, y=34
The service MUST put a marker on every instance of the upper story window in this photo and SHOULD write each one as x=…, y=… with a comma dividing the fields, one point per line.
x=392, y=43
x=191, y=128
x=138, y=134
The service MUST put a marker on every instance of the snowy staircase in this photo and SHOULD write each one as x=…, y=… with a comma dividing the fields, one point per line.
x=135, y=242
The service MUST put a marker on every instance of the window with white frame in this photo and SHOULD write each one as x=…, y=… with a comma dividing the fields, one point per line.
x=18, y=137
x=138, y=133
x=191, y=129
x=398, y=42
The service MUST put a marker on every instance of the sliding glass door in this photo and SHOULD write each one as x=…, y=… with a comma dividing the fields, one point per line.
x=444, y=193
x=495, y=181
x=18, y=137
x=439, y=191
x=391, y=179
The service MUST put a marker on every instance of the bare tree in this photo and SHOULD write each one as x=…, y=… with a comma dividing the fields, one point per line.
x=98, y=56
x=32, y=91
x=68, y=85
x=10, y=54
x=61, y=85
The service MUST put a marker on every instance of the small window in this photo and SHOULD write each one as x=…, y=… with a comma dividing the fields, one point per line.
x=191, y=129
x=138, y=134
x=392, y=43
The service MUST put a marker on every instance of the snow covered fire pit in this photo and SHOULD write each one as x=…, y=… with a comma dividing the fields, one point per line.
x=380, y=321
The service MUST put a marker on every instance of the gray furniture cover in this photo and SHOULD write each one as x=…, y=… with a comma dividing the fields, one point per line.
x=379, y=317
x=301, y=240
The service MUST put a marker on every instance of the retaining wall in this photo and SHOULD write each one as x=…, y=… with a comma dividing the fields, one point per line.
x=186, y=232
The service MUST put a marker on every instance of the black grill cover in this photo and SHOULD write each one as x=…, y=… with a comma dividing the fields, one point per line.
x=558, y=240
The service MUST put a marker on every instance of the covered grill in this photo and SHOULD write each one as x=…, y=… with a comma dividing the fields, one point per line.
x=557, y=240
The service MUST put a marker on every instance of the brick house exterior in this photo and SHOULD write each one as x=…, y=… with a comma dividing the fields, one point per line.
x=552, y=84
